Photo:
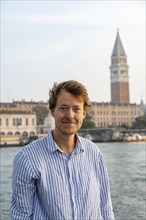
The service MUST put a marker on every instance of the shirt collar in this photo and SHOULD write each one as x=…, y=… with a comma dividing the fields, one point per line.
x=79, y=144
x=51, y=143
x=54, y=147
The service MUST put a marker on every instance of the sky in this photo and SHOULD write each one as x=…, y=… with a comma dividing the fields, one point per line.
x=43, y=42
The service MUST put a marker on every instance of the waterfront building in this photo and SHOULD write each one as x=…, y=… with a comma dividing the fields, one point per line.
x=22, y=105
x=16, y=122
x=114, y=115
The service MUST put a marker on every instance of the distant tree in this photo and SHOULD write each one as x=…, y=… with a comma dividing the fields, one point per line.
x=140, y=122
x=87, y=123
x=41, y=114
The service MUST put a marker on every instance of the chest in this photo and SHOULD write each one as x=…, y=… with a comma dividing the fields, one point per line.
x=59, y=177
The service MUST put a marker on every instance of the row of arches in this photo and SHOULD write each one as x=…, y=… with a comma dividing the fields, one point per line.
x=23, y=134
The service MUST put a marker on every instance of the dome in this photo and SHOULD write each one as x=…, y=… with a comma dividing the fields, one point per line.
x=49, y=121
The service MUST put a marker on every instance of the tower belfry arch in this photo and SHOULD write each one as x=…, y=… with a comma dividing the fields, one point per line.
x=119, y=73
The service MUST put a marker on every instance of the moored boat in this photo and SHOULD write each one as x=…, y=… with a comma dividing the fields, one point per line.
x=134, y=137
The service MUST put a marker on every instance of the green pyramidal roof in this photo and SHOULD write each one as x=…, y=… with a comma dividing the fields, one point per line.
x=118, y=47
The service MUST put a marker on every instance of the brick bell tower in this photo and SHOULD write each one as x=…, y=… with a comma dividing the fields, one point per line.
x=119, y=74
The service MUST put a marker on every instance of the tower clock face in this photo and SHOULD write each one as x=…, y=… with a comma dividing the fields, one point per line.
x=115, y=72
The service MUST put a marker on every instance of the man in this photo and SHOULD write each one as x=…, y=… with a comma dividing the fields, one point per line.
x=62, y=176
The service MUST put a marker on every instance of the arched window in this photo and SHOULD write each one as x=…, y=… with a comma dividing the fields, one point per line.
x=2, y=133
x=17, y=133
x=32, y=133
x=9, y=133
x=25, y=134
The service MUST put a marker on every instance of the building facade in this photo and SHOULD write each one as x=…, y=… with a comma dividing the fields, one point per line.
x=22, y=105
x=17, y=123
x=114, y=115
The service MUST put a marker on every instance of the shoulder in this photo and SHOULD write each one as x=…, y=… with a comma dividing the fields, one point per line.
x=33, y=150
x=89, y=146
x=37, y=144
x=31, y=155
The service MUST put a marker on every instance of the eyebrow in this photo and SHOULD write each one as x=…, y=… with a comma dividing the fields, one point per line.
x=68, y=105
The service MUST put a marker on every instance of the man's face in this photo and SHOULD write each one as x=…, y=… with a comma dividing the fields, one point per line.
x=68, y=113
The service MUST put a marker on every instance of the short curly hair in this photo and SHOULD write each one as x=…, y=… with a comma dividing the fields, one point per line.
x=74, y=87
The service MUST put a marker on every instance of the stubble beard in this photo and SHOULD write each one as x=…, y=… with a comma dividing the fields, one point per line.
x=66, y=130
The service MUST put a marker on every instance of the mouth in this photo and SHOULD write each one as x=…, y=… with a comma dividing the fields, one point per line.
x=67, y=122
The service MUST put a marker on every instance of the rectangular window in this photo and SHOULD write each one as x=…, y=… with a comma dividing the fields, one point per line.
x=20, y=121
x=26, y=121
x=13, y=121
x=7, y=122
x=33, y=123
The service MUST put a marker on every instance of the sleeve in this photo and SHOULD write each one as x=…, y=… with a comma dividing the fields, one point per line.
x=105, y=198
x=23, y=188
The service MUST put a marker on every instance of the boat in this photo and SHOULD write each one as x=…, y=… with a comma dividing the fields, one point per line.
x=134, y=137
x=9, y=140
x=88, y=137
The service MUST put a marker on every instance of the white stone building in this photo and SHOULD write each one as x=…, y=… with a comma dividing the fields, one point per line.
x=49, y=124
x=17, y=123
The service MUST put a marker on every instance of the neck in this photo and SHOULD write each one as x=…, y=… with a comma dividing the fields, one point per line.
x=65, y=142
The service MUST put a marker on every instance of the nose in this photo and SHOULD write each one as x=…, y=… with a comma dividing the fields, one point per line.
x=70, y=113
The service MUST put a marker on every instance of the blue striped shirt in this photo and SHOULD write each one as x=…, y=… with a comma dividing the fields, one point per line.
x=49, y=185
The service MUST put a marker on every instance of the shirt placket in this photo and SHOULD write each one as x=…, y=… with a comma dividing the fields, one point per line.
x=72, y=188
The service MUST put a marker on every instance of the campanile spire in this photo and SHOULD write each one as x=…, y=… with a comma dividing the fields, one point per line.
x=119, y=73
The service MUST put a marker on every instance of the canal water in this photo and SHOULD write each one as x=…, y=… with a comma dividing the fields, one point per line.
x=126, y=163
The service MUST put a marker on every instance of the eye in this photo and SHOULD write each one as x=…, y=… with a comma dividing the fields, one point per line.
x=63, y=108
x=77, y=109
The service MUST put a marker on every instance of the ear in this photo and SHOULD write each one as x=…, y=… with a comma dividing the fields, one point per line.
x=84, y=114
x=52, y=112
